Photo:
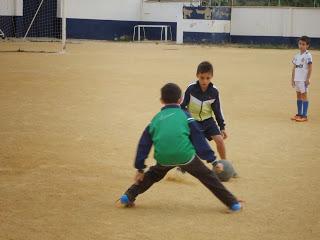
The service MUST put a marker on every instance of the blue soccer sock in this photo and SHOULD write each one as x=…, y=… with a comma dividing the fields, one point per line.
x=305, y=108
x=299, y=105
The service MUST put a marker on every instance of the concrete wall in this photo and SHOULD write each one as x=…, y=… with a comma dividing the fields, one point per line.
x=115, y=19
x=274, y=25
x=102, y=19
x=116, y=10
x=201, y=24
x=305, y=22
x=162, y=12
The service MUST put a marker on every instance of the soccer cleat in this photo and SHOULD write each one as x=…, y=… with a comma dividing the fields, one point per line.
x=125, y=201
x=295, y=117
x=302, y=119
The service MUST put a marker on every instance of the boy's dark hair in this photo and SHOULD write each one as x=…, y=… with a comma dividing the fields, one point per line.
x=305, y=39
x=205, y=67
x=170, y=93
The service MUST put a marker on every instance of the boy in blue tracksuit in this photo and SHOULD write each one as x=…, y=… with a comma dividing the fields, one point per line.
x=202, y=101
x=178, y=142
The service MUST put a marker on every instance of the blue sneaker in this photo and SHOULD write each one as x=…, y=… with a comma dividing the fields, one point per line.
x=125, y=201
x=236, y=207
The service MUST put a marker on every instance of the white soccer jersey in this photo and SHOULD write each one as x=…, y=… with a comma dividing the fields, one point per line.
x=301, y=62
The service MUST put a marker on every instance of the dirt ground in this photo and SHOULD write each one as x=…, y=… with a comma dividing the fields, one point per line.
x=70, y=123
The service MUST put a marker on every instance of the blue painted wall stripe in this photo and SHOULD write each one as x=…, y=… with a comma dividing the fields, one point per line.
x=199, y=37
x=112, y=30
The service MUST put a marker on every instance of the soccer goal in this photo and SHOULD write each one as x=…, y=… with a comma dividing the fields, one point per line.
x=33, y=25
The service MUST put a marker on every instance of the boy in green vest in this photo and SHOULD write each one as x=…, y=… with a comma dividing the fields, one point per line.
x=178, y=142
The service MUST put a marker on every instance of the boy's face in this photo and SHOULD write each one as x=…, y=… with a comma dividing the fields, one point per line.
x=204, y=79
x=303, y=46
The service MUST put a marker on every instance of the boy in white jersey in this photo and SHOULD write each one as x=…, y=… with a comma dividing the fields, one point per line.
x=301, y=72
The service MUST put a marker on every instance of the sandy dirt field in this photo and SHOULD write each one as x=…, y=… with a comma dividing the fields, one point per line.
x=69, y=126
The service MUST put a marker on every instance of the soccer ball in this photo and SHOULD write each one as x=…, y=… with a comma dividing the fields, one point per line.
x=228, y=171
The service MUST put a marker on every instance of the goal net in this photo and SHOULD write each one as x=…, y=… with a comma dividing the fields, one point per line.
x=32, y=25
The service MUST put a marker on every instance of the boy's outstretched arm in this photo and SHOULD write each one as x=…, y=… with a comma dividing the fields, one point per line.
x=143, y=150
x=186, y=99
x=216, y=108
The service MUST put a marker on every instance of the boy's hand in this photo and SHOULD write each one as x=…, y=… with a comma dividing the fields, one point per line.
x=218, y=168
x=307, y=82
x=139, y=177
x=224, y=134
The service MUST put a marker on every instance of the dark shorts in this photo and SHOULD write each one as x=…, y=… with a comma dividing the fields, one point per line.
x=209, y=128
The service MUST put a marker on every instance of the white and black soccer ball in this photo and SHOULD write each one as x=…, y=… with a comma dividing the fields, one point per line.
x=228, y=171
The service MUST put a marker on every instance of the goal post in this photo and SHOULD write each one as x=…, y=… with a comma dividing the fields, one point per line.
x=39, y=25
x=64, y=24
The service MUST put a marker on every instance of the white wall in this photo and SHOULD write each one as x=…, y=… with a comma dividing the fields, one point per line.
x=207, y=26
x=286, y=22
x=163, y=11
x=305, y=22
x=127, y=10
x=11, y=7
